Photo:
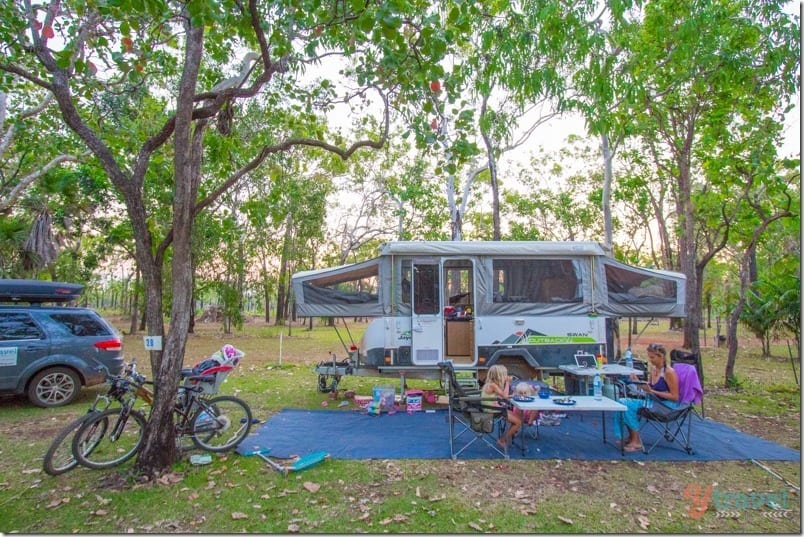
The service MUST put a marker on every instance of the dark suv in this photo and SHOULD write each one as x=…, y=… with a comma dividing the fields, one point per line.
x=47, y=352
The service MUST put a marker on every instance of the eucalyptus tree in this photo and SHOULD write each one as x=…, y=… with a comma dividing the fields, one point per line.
x=78, y=50
x=558, y=197
x=297, y=202
x=596, y=92
x=767, y=194
x=643, y=199
x=33, y=151
x=418, y=199
x=31, y=141
x=220, y=260
x=361, y=206
x=697, y=70
x=508, y=81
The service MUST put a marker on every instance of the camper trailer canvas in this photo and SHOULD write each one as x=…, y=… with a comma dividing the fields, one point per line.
x=530, y=305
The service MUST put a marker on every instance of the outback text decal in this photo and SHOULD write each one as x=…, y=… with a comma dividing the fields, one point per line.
x=535, y=340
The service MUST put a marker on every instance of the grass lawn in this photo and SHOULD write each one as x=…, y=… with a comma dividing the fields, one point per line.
x=242, y=494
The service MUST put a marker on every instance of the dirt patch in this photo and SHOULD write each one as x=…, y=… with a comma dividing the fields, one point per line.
x=35, y=428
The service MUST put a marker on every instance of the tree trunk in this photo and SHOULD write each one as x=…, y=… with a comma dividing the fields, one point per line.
x=688, y=252
x=734, y=316
x=267, y=296
x=492, y=164
x=266, y=289
x=135, y=303
x=607, y=180
x=281, y=288
x=191, y=326
x=143, y=319
x=159, y=450
x=731, y=338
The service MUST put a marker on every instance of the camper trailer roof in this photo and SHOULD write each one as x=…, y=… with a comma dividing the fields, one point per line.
x=342, y=273
x=491, y=248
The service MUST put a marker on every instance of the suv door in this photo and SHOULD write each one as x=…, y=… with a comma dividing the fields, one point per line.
x=82, y=339
x=22, y=341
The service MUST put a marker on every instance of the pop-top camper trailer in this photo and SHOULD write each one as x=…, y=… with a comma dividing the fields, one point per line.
x=529, y=305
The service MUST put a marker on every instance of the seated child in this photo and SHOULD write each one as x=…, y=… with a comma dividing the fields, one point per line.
x=528, y=416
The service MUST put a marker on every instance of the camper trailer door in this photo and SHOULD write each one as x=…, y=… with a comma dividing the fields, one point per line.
x=426, y=322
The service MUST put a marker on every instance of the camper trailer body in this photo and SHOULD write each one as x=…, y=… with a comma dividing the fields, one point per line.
x=529, y=305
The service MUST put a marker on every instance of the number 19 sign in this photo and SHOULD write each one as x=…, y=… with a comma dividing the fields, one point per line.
x=152, y=343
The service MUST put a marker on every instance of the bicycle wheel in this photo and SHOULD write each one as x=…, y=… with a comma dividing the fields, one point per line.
x=97, y=445
x=221, y=423
x=59, y=457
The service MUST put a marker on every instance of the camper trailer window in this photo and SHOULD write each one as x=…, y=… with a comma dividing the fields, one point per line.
x=458, y=282
x=407, y=271
x=633, y=287
x=425, y=289
x=536, y=280
x=355, y=287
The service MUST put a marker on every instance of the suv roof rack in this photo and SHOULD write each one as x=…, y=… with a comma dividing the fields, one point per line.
x=38, y=291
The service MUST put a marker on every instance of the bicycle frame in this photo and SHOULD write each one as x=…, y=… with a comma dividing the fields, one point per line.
x=115, y=435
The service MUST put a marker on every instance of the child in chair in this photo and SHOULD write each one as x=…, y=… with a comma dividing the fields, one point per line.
x=498, y=384
x=528, y=416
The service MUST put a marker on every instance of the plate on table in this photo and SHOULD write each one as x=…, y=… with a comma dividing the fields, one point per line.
x=523, y=398
x=566, y=401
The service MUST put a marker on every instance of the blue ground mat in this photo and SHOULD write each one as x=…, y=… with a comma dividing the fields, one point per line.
x=425, y=435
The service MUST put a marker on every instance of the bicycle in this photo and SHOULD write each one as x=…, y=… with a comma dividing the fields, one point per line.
x=214, y=424
x=59, y=457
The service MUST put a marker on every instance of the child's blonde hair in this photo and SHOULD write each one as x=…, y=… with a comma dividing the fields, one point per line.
x=497, y=374
x=523, y=388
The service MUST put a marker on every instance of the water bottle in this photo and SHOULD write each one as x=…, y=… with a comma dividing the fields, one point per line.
x=629, y=358
x=598, y=387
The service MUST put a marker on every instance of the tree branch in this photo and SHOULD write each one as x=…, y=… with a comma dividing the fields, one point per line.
x=26, y=181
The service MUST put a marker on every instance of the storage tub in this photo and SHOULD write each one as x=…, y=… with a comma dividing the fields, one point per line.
x=363, y=400
x=385, y=396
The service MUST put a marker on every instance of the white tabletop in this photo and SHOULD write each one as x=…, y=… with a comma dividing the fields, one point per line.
x=607, y=369
x=583, y=402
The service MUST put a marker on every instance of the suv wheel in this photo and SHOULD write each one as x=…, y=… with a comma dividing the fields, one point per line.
x=56, y=386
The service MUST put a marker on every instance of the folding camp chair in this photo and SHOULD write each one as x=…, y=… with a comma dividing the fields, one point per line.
x=623, y=385
x=678, y=356
x=469, y=412
x=674, y=424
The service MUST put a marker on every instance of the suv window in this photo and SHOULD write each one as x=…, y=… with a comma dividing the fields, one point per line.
x=80, y=324
x=16, y=326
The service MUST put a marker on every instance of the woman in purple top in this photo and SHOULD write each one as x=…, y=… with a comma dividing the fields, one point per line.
x=662, y=383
